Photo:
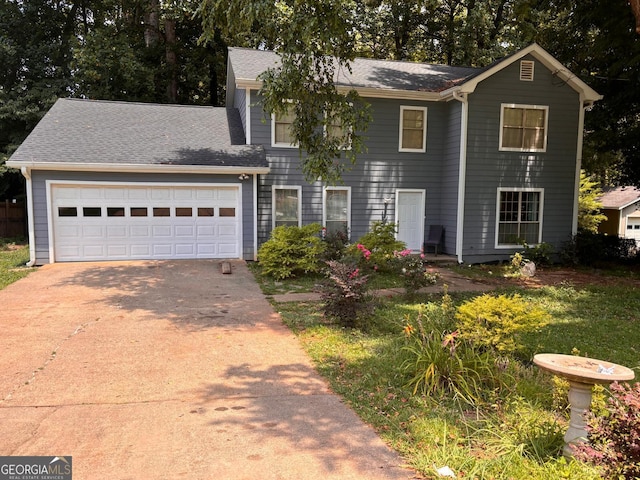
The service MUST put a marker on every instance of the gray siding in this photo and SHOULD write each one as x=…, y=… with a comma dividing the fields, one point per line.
x=488, y=168
x=240, y=103
x=377, y=174
x=450, y=175
x=39, y=179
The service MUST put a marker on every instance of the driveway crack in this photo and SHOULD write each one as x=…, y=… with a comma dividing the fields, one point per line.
x=79, y=329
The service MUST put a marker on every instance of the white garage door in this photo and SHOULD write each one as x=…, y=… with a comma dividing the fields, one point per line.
x=108, y=222
x=633, y=229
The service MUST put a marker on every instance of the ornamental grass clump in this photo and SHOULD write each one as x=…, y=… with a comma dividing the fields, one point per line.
x=494, y=323
x=441, y=365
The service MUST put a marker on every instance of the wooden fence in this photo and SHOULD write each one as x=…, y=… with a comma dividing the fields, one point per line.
x=13, y=220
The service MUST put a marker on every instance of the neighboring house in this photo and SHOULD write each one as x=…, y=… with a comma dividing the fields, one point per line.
x=621, y=205
x=491, y=154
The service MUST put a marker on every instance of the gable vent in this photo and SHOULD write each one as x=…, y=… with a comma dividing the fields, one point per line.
x=526, y=70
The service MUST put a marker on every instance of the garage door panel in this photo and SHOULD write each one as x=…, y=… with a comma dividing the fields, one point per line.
x=185, y=231
x=142, y=231
x=69, y=231
x=140, y=251
x=92, y=231
x=117, y=251
x=117, y=231
x=145, y=222
x=162, y=230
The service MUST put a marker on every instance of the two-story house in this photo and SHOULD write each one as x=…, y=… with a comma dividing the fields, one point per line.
x=491, y=154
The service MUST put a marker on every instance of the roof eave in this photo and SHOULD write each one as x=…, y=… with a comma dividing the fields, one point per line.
x=136, y=168
x=370, y=92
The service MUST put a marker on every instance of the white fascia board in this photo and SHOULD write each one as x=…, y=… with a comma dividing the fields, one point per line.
x=133, y=168
x=369, y=92
x=589, y=95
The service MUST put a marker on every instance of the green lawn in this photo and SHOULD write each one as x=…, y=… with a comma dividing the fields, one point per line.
x=13, y=258
x=517, y=435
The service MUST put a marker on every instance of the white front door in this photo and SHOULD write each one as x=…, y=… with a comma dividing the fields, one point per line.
x=410, y=218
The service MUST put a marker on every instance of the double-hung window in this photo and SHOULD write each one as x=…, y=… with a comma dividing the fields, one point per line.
x=519, y=216
x=286, y=204
x=413, y=129
x=281, y=129
x=523, y=128
x=337, y=209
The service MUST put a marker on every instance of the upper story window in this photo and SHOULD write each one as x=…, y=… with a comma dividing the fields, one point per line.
x=519, y=217
x=281, y=130
x=413, y=129
x=337, y=210
x=287, y=206
x=523, y=128
x=335, y=130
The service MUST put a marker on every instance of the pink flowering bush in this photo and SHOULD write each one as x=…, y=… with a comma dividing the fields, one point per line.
x=374, y=250
x=412, y=271
x=615, y=438
x=344, y=293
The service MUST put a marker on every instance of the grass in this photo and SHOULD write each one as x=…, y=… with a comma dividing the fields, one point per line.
x=13, y=257
x=518, y=435
x=309, y=283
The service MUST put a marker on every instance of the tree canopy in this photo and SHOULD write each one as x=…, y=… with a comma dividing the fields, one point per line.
x=174, y=51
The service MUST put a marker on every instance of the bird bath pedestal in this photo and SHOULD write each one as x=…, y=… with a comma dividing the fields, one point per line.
x=582, y=373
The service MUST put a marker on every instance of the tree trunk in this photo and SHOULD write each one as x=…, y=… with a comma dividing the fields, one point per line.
x=152, y=23
x=635, y=6
x=172, y=59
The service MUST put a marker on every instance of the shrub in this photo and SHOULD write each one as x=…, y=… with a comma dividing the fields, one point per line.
x=336, y=244
x=587, y=248
x=411, y=270
x=539, y=254
x=494, y=323
x=344, y=293
x=615, y=437
x=291, y=251
x=380, y=243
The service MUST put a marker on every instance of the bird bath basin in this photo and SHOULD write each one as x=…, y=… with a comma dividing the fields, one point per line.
x=582, y=373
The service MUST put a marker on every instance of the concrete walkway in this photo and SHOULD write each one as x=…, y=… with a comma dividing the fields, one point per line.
x=453, y=281
x=169, y=370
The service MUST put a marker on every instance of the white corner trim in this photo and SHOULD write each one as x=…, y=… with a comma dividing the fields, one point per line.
x=576, y=190
x=255, y=217
x=462, y=172
x=26, y=173
x=247, y=116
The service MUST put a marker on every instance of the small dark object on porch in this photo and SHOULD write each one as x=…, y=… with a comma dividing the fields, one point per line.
x=436, y=232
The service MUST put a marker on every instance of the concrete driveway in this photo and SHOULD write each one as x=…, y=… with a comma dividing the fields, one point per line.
x=153, y=370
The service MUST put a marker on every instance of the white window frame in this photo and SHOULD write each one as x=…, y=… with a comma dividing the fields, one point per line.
x=326, y=134
x=324, y=205
x=273, y=132
x=401, y=129
x=540, y=215
x=524, y=107
x=275, y=188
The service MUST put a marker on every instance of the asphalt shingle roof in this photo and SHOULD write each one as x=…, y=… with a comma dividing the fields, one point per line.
x=619, y=197
x=366, y=73
x=102, y=132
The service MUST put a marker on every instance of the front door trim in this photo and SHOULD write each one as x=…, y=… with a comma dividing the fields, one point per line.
x=419, y=217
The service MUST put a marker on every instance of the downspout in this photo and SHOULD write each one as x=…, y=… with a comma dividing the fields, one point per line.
x=462, y=171
x=255, y=217
x=26, y=173
x=576, y=201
